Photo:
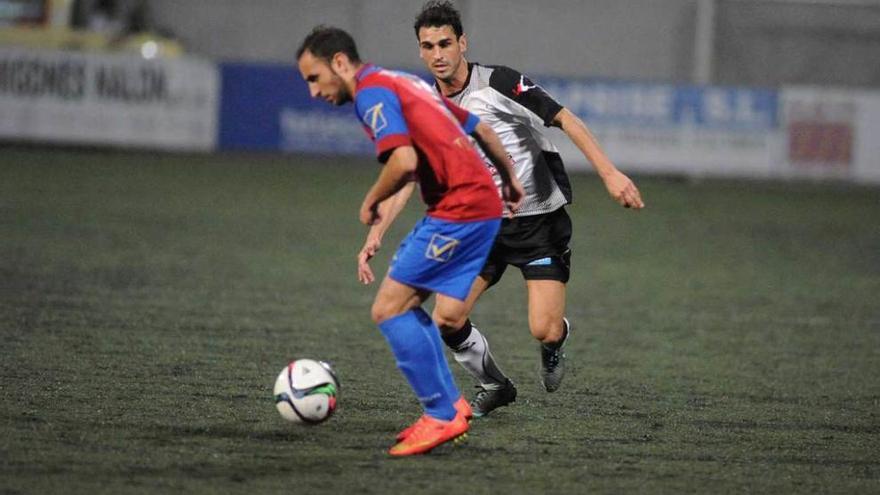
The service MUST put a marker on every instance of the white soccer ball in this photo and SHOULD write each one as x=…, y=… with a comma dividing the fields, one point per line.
x=305, y=391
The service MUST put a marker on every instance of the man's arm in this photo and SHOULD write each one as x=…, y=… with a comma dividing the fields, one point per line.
x=511, y=189
x=619, y=186
x=388, y=211
x=394, y=176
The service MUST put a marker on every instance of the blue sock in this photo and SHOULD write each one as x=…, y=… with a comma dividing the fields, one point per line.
x=416, y=358
x=434, y=334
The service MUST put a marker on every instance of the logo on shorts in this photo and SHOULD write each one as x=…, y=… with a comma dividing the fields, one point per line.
x=541, y=262
x=441, y=248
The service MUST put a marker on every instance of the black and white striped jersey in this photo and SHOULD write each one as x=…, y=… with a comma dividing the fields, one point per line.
x=518, y=110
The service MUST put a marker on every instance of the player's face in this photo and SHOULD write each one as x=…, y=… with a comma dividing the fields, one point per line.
x=324, y=83
x=441, y=50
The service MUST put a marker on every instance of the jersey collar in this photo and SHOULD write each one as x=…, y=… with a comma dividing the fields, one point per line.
x=365, y=71
x=467, y=82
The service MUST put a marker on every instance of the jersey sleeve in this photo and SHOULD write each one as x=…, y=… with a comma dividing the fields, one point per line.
x=380, y=112
x=525, y=93
x=467, y=120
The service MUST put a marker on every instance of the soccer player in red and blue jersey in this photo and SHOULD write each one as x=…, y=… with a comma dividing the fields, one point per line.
x=419, y=136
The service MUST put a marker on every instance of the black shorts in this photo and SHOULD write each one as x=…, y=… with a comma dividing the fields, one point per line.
x=536, y=244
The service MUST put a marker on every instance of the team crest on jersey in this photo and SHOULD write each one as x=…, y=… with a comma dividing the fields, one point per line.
x=375, y=118
x=441, y=248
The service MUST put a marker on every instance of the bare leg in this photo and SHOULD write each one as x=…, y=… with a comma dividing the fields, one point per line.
x=548, y=325
x=451, y=314
x=546, y=310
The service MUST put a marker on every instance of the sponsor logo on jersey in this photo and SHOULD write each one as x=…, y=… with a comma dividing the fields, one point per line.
x=441, y=248
x=522, y=86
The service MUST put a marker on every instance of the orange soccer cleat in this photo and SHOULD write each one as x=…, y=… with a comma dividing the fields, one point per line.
x=461, y=406
x=428, y=433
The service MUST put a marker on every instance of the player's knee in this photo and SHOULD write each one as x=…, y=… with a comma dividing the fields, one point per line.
x=448, y=321
x=381, y=312
x=546, y=328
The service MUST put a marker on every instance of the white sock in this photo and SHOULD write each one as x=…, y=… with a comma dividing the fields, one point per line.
x=473, y=355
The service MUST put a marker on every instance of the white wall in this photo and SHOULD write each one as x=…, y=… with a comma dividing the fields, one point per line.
x=643, y=39
x=758, y=42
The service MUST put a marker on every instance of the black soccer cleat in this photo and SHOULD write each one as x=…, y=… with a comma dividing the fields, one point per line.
x=488, y=400
x=553, y=362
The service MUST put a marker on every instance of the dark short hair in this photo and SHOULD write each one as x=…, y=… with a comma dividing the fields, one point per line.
x=325, y=41
x=439, y=13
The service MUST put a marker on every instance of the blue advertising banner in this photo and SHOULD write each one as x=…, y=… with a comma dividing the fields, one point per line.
x=268, y=108
x=647, y=126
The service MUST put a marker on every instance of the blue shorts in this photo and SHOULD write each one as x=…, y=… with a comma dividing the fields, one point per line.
x=442, y=256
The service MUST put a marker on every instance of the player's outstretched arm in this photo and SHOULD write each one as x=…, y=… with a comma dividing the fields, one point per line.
x=619, y=186
x=511, y=188
x=388, y=211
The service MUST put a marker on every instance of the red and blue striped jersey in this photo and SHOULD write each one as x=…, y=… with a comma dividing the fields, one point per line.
x=400, y=109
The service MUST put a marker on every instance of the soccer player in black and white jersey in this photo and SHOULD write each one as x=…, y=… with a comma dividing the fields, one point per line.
x=535, y=239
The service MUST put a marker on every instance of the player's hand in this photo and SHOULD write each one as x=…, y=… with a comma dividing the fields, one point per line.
x=624, y=191
x=369, y=214
x=512, y=194
x=371, y=247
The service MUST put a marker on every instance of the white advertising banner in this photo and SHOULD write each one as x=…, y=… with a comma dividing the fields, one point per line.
x=791, y=133
x=108, y=99
x=664, y=128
